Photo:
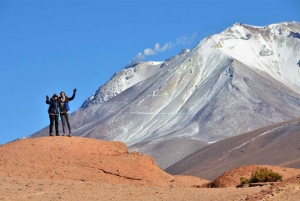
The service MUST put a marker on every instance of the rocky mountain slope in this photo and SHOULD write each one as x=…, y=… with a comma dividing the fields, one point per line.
x=237, y=81
x=121, y=81
x=277, y=144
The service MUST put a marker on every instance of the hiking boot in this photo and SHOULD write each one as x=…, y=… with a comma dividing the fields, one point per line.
x=51, y=134
x=70, y=134
x=57, y=135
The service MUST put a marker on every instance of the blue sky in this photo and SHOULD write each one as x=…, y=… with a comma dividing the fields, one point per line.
x=53, y=46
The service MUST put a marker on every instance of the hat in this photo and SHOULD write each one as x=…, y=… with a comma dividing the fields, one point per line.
x=55, y=95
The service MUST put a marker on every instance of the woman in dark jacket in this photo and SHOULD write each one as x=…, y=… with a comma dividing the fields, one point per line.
x=64, y=111
x=53, y=113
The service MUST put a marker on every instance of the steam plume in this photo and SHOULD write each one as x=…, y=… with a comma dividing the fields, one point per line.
x=182, y=40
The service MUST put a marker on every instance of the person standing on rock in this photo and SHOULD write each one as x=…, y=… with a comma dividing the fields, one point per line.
x=64, y=111
x=53, y=113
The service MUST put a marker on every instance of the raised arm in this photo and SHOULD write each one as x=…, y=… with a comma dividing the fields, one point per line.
x=73, y=96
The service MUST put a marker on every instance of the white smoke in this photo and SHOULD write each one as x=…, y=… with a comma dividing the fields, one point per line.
x=182, y=40
x=157, y=49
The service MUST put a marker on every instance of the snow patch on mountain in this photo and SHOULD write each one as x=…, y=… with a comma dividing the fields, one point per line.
x=123, y=80
x=271, y=49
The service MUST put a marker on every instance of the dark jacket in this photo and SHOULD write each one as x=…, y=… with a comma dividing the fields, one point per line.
x=53, y=106
x=62, y=103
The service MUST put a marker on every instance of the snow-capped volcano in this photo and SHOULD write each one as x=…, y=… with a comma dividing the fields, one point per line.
x=239, y=80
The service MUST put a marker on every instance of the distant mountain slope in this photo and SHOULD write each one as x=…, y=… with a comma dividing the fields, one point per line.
x=277, y=145
x=239, y=80
x=174, y=149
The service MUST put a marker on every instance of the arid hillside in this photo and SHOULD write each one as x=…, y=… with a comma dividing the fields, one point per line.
x=62, y=168
x=81, y=159
x=276, y=145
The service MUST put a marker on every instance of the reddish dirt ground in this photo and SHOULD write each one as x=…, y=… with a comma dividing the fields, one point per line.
x=62, y=168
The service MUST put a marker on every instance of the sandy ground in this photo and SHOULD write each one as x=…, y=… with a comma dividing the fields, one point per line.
x=38, y=189
x=71, y=169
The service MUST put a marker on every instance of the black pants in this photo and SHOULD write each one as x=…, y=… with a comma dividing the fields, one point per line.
x=53, y=119
x=65, y=119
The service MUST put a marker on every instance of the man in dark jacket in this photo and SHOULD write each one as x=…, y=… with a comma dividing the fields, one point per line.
x=53, y=113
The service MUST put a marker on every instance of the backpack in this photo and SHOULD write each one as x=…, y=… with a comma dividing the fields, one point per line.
x=67, y=106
